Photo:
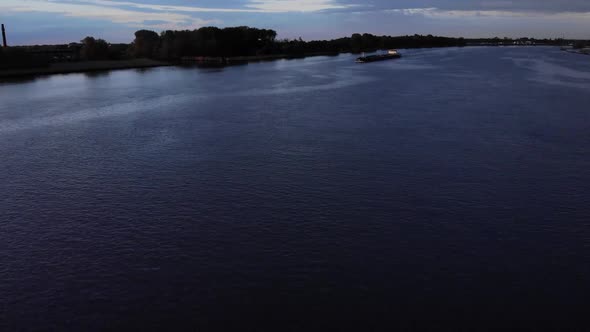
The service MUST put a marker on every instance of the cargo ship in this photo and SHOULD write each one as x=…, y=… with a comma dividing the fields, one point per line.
x=391, y=54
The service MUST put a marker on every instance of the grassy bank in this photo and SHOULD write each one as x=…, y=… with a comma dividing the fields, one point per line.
x=81, y=67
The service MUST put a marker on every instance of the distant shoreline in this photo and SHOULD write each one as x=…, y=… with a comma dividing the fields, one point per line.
x=81, y=67
x=61, y=68
x=216, y=47
x=580, y=51
x=199, y=60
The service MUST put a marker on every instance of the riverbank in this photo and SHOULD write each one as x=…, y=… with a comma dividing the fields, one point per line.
x=583, y=51
x=81, y=67
x=94, y=66
x=246, y=59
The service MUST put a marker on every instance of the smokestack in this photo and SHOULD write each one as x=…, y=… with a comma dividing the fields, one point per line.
x=4, y=36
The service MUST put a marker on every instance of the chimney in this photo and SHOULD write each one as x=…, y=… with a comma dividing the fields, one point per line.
x=4, y=36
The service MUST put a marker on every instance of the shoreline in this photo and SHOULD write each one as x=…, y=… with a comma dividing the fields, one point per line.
x=62, y=68
x=81, y=67
x=581, y=51
x=200, y=60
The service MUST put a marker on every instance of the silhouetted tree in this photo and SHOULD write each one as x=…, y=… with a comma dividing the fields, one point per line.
x=145, y=44
x=356, y=43
x=94, y=49
x=167, y=48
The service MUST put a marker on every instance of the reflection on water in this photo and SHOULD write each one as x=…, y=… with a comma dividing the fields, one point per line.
x=97, y=74
x=547, y=70
x=450, y=183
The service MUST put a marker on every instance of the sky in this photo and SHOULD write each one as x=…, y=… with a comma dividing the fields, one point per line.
x=61, y=21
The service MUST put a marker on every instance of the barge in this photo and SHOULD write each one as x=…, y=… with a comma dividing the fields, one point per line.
x=391, y=54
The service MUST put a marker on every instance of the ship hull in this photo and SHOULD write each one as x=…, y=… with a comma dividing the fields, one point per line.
x=375, y=58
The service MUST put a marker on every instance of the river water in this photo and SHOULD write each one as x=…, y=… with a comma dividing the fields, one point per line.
x=450, y=187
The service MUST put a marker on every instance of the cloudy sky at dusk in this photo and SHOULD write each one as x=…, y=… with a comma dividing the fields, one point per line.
x=55, y=21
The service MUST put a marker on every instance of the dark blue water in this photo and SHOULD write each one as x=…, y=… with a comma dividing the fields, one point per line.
x=450, y=188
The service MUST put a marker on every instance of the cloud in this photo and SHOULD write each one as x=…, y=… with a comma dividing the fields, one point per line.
x=251, y=6
x=278, y=6
x=499, y=6
x=159, y=16
x=159, y=7
x=326, y=18
x=130, y=11
x=164, y=20
x=450, y=14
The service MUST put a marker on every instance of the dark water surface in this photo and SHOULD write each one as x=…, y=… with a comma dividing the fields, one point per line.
x=451, y=187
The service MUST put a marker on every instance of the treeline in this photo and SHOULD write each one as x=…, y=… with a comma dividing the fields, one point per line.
x=246, y=41
x=368, y=42
x=91, y=49
x=88, y=49
x=520, y=41
x=209, y=42
x=20, y=57
x=229, y=42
